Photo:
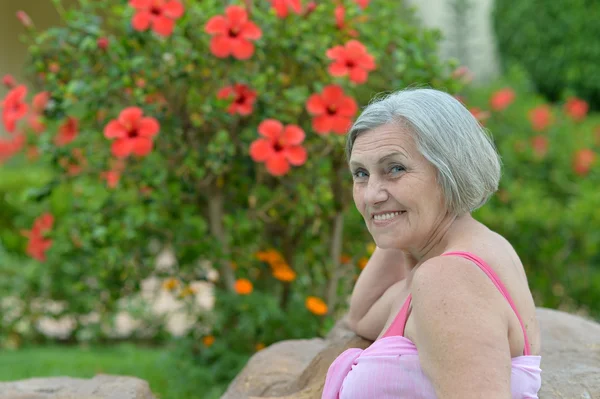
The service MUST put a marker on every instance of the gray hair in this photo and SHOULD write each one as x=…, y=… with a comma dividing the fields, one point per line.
x=447, y=135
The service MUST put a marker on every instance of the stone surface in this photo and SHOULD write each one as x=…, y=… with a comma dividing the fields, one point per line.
x=296, y=369
x=100, y=387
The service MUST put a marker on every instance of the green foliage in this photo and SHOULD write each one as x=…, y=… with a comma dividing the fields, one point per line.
x=544, y=207
x=198, y=191
x=555, y=41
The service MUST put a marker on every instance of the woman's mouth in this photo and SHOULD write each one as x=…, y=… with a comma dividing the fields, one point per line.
x=382, y=219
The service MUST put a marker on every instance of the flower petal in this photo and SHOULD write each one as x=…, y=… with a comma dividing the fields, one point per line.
x=271, y=128
x=121, y=148
x=216, y=25
x=261, y=150
x=332, y=94
x=173, y=9
x=337, y=69
x=347, y=107
x=140, y=4
x=242, y=49
x=141, y=20
x=163, y=25
x=296, y=155
x=130, y=116
x=278, y=165
x=114, y=130
x=340, y=125
x=251, y=31
x=220, y=46
x=315, y=105
x=358, y=75
x=322, y=124
x=292, y=135
x=148, y=127
x=236, y=15
x=141, y=146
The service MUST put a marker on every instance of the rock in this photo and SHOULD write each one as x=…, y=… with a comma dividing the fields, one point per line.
x=296, y=369
x=99, y=387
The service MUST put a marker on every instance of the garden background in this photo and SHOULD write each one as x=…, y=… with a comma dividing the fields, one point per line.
x=173, y=189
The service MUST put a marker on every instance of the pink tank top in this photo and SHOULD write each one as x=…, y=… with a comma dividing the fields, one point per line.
x=390, y=369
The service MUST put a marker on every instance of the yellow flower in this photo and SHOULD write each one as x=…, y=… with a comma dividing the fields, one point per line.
x=187, y=291
x=243, y=286
x=371, y=248
x=260, y=346
x=170, y=284
x=316, y=305
x=208, y=340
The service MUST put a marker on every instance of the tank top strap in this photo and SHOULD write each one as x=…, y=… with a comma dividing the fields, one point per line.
x=494, y=277
x=399, y=322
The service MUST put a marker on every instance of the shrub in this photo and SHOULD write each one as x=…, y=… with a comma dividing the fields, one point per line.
x=555, y=41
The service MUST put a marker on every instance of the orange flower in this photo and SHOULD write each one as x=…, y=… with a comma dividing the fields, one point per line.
x=67, y=132
x=260, y=346
x=284, y=274
x=345, y=258
x=362, y=262
x=160, y=15
x=170, y=284
x=316, y=305
x=351, y=59
x=271, y=256
x=243, y=286
x=232, y=34
x=208, y=340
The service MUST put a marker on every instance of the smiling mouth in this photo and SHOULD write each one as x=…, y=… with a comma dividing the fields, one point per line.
x=387, y=216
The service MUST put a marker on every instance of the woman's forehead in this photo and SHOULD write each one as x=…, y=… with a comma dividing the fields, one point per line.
x=383, y=142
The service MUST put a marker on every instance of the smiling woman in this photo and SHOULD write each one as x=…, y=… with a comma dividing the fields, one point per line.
x=421, y=164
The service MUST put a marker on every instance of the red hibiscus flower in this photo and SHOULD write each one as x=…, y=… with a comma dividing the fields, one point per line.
x=67, y=132
x=75, y=164
x=540, y=117
x=279, y=148
x=362, y=3
x=38, y=244
x=14, y=108
x=540, y=145
x=501, y=99
x=9, y=81
x=133, y=133
x=242, y=98
x=232, y=34
x=9, y=147
x=340, y=16
x=158, y=14
x=576, y=108
x=282, y=7
x=351, y=59
x=583, y=161
x=331, y=110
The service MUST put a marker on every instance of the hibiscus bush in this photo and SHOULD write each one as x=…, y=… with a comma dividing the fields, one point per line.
x=547, y=205
x=214, y=129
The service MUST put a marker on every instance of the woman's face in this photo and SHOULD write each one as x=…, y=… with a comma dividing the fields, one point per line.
x=396, y=189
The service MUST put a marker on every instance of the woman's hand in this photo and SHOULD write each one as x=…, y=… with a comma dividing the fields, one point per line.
x=373, y=294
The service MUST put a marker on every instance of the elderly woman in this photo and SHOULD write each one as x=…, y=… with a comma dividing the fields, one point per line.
x=445, y=299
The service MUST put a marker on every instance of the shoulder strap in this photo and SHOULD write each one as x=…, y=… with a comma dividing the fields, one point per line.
x=399, y=322
x=494, y=277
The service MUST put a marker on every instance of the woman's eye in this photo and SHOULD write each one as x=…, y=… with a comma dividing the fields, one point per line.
x=359, y=174
x=396, y=169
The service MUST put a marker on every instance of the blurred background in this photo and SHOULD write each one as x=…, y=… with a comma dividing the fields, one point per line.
x=148, y=224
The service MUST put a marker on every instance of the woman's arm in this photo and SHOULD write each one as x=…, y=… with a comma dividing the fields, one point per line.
x=371, y=297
